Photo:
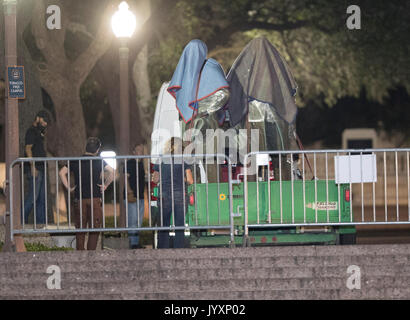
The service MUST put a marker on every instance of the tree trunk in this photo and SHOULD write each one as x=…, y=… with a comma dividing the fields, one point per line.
x=69, y=120
x=62, y=78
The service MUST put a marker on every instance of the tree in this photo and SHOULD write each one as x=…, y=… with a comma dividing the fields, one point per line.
x=326, y=57
x=62, y=77
x=328, y=60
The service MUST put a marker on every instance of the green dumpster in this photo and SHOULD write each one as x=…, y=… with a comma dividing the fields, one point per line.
x=310, y=202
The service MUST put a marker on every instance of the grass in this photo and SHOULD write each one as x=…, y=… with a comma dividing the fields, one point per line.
x=36, y=247
x=41, y=247
x=145, y=238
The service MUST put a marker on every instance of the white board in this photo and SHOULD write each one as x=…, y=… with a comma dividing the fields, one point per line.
x=166, y=122
x=262, y=159
x=356, y=169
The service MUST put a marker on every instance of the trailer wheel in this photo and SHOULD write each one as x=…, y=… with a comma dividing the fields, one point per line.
x=347, y=238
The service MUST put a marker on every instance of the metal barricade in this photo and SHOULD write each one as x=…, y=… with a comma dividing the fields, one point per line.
x=280, y=189
x=326, y=188
x=66, y=207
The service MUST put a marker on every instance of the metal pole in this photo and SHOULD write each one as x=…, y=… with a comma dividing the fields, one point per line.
x=245, y=202
x=124, y=119
x=231, y=220
x=12, y=130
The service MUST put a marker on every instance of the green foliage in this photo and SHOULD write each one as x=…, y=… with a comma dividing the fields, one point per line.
x=328, y=60
x=183, y=24
x=35, y=247
x=41, y=247
x=168, y=50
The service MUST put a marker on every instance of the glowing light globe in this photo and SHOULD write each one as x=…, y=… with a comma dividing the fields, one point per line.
x=123, y=22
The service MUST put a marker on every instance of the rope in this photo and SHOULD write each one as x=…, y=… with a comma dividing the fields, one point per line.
x=300, y=145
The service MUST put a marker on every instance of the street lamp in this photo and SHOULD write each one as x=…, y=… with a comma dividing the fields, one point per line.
x=123, y=24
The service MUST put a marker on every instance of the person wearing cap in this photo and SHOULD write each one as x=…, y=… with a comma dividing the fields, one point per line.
x=88, y=188
x=34, y=147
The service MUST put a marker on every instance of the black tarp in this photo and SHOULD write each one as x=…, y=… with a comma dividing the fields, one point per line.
x=260, y=73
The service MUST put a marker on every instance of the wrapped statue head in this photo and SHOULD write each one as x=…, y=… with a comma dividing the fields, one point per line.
x=263, y=88
x=199, y=84
x=260, y=73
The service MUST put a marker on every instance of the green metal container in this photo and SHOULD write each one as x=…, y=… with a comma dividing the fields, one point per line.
x=310, y=202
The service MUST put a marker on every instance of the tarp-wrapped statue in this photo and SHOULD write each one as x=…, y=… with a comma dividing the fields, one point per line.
x=199, y=86
x=201, y=91
x=260, y=88
x=263, y=88
x=263, y=94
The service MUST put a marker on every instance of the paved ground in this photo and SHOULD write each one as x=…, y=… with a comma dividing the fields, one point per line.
x=272, y=273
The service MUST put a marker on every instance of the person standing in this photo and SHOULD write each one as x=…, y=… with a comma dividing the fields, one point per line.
x=34, y=148
x=135, y=195
x=174, y=173
x=88, y=176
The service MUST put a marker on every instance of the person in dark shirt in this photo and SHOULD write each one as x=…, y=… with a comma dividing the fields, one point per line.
x=173, y=175
x=87, y=192
x=34, y=147
x=135, y=195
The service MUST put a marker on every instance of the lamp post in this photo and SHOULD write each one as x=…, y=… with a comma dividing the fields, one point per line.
x=11, y=128
x=123, y=25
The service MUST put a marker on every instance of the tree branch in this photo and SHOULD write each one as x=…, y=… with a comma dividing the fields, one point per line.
x=271, y=26
x=54, y=54
x=148, y=28
x=76, y=27
x=241, y=26
x=100, y=44
x=57, y=36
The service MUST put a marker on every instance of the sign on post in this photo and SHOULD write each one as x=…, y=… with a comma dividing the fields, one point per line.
x=356, y=169
x=15, y=82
